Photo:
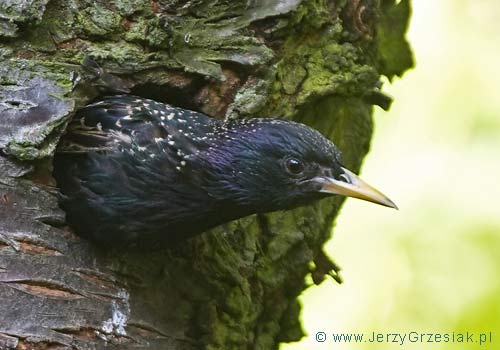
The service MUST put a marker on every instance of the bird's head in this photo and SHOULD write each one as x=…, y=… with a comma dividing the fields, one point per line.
x=269, y=164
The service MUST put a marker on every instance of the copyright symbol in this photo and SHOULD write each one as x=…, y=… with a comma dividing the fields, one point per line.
x=321, y=337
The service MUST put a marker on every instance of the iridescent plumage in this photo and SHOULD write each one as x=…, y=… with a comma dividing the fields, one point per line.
x=136, y=171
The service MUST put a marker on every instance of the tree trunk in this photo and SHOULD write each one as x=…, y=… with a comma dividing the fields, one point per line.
x=236, y=287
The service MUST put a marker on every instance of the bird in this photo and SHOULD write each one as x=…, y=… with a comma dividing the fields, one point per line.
x=137, y=172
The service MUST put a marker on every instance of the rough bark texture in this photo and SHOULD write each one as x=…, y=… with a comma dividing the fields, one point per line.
x=236, y=287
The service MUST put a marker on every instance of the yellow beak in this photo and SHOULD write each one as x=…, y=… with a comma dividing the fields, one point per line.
x=352, y=186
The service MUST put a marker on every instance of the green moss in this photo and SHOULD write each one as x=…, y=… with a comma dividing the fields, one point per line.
x=318, y=65
x=38, y=144
x=97, y=21
x=281, y=244
x=346, y=121
x=129, y=7
x=237, y=301
x=395, y=55
x=23, y=152
x=8, y=29
x=291, y=77
x=59, y=20
x=13, y=13
x=290, y=327
x=147, y=31
x=250, y=99
x=311, y=15
x=46, y=86
x=5, y=52
x=121, y=53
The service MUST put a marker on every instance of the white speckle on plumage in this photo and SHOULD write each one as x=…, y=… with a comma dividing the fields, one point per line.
x=127, y=117
x=158, y=139
x=99, y=126
x=182, y=120
x=171, y=116
x=141, y=148
x=162, y=117
x=171, y=143
x=178, y=168
x=118, y=124
x=183, y=163
x=119, y=136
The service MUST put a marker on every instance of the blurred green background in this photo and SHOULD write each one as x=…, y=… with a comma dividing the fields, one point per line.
x=433, y=266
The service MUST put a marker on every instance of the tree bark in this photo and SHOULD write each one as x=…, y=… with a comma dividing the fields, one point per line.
x=236, y=287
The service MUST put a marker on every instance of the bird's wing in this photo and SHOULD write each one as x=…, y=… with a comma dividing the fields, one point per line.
x=128, y=120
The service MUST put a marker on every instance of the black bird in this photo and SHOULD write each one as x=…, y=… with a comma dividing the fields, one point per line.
x=136, y=171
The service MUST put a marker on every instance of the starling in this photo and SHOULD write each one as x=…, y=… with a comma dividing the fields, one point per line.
x=135, y=171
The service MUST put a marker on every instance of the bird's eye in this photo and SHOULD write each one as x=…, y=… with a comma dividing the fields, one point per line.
x=294, y=166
